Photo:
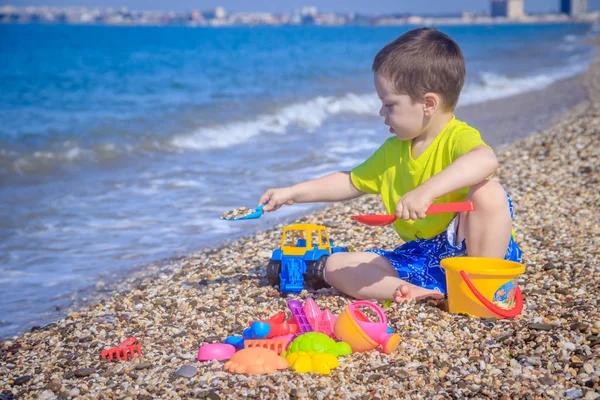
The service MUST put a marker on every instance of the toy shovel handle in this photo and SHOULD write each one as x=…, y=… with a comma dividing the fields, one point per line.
x=386, y=219
x=513, y=312
x=451, y=207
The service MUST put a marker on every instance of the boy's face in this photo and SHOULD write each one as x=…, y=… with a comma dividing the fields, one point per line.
x=404, y=116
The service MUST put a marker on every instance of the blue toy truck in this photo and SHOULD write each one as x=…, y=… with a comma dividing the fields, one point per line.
x=301, y=258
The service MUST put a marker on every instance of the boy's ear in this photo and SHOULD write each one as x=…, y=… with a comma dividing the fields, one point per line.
x=432, y=102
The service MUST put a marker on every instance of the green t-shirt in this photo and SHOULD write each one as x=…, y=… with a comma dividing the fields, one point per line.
x=392, y=172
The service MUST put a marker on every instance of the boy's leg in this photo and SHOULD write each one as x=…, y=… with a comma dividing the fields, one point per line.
x=487, y=229
x=370, y=276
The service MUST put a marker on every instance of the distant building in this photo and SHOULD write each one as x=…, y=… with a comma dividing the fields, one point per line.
x=573, y=7
x=217, y=13
x=511, y=9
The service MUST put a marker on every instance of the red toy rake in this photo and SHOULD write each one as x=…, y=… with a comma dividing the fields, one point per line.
x=125, y=350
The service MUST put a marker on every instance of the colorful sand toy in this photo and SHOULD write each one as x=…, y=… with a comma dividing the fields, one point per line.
x=125, y=350
x=255, y=360
x=320, y=320
x=216, y=351
x=321, y=363
x=299, y=315
x=491, y=291
x=300, y=259
x=317, y=342
x=355, y=328
x=279, y=326
x=278, y=346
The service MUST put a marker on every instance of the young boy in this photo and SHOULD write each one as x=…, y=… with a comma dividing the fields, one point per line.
x=431, y=157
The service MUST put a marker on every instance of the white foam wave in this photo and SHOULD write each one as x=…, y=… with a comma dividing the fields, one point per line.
x=310, y=115
x=570, y=38
x=313, y=113
x=494, y=86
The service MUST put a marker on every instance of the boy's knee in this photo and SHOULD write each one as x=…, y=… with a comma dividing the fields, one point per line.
x=488, y=195
x=334, y=262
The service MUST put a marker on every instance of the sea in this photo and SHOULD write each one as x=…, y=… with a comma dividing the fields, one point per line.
x=121, y=146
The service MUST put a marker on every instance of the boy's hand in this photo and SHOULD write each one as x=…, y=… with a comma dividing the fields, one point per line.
x=413, y=205
x=275, y=198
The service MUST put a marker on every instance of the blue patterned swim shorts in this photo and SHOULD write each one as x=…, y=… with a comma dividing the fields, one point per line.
x=418, y=262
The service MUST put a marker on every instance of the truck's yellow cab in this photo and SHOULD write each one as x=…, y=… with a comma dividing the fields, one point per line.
x=297, y=239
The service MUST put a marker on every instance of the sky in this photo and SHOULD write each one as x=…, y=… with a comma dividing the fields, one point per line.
x=361, y=6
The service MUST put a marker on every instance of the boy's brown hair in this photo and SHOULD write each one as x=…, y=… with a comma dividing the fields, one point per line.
x=424, y=60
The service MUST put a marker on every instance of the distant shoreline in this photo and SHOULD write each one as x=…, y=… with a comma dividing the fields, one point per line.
x=433, y=23
x=306, y=16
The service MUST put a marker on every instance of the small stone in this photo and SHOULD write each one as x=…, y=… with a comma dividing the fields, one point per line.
x=301, y=392
x=503, y=336
x=597, y=325
x=212, y=395
x=264, y=254
x=259, y=299
x=568, y=346
x=548, y=266
x=186, y=371
x=22, y=379
x=579, y=326
x=46, y=395
x=544, y=380
x=55, y=387
x=573, y=394
x=100, y=286
x=74, y=392
x=82, y=372
x=36, y=328
x=374, y=378
x=588, y=368
x=534, y=361
x=183, y=306
x=144, y=365
x=541, y=327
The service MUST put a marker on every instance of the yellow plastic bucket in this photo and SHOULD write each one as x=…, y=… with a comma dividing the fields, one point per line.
x=483, y=287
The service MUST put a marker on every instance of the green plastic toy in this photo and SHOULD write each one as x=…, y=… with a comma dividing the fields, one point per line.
x=317, y=342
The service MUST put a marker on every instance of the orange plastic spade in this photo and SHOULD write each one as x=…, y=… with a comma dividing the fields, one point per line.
x=386, y=219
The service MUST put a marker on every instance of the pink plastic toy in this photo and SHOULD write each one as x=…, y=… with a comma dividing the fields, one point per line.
x=355, y=328
x=320, y=320
x=287, y=338
x=215, y=351
x=298, y=314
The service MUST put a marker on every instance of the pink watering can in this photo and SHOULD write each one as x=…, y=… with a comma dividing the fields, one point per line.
x=355, y=328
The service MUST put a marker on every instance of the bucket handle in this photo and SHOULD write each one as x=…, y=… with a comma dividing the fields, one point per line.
x=364, y=303
x=513, y=312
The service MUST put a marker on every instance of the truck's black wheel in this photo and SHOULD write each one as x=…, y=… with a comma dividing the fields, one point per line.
x=314, y=273
x=273, y=271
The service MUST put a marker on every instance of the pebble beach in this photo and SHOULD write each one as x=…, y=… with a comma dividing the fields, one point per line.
x=551, y=351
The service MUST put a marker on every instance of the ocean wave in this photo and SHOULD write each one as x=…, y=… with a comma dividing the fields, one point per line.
x=309, y=115
x=493, y=86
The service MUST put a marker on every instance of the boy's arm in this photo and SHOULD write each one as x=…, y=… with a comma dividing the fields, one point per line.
x=333, y=187
x=467, y=170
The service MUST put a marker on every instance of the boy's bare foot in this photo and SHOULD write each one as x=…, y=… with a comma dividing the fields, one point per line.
x=409, y=292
